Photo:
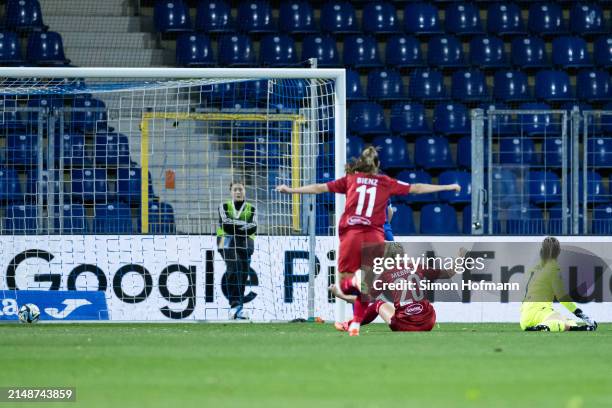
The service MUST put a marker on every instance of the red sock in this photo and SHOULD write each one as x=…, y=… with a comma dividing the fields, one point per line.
x=370, y=314
x=348, y=288
x=359, y=310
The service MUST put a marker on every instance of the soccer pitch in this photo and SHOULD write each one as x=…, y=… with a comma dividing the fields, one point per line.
x=308, y=365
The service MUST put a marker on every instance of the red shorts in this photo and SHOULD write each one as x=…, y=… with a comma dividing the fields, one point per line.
x=424, y=322
x=351, y=248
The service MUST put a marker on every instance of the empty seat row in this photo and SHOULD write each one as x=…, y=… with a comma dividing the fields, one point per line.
x=23, y=15
x=92, y=185
x=44, y=49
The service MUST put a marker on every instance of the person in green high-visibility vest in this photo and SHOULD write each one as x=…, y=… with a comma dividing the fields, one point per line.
x=236, y=242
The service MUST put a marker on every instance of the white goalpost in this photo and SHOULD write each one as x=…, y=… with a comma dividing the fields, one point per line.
x=111, y=181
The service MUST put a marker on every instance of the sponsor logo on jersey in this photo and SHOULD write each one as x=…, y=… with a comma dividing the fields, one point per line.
x=414, y=309
x=358, y=220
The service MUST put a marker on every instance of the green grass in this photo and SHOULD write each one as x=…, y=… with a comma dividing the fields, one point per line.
x=309, y=365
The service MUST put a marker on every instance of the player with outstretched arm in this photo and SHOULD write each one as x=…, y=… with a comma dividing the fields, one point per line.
x=367, y=193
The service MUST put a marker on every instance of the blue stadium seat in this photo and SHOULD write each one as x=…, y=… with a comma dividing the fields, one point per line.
x=20, y=220
x=587, y=18
x=464, y=179
x=382, y=18
x=366, y=118
x=73, y=147
x=504, y=19
x=171, y=16
x=161, y=218
x=426, y=85
x=194, y=50
x=325, y=169
x=504, y=189
x=502, y=124
x=556, y=219
x=552, y=85
x=602, y=51
x=517, y=151
x=524, y=220
x=113, y=218
x=439, y=219
x=89, y=115
x=10, y=118
x=605, y=123
x=414, y=177
x=464, y=152
x=529, y=52
x=22, y=149
x=469, y=85
x=487, y=52
x=511, y=86
x=10, y=187
x=24, y=15
x=111, y=150
x=409, y=118
x=602, y=220
x=393, y=152
x=236, y=50
x=72, y=220
x=537, y=123
x=445, y=51
x=544, y=187
x=593, y=85
x=463, y=19
x=433, y=152
x=451, y=119
x=321, y=47
x=403, y=51
x=296, y=17
x=214, y=16
x=46, y=49
x=129, y=184
x=10, y=49
x=89, y=185
x=354, y=147
x=277, y=50
x=38, y=103
x=570, y=52
x=361, y=51
x=596, y=191
x=322, y=219
x=546, y=19
x=255, y=16
x=552, y=152
x=338, y=17
x=354, y=90
x=599, y=152
x=385, y=85
x=421, y=18
x=402, y=222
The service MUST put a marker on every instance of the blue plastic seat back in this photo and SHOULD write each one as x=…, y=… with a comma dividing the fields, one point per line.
x=354, y=147
x=194, y=50
x=402, y=222
x=22, y=149
x=504, y=19
x=487, y=52
x=519, y=151
x=439, y=219
x=502, y=124
x=413, y=177
x=408, y=118
x=544, y=187
x=89, y=115
x=214, y=16
x=599, y=151
x=354, y=90
x=504, y=188
x=129, y=184
x=338, y=17
x=469, y=85
x=587, y=18
x=464, y=152
x=73, y=220
x=385, y=84
x=537, y=123
x=323, y=48
x=433, y=152
x=382, y=18
x=593, y=85
x=112, y=149
x=464, y=179
x=71, y=149
x=403, y=52
x=529, y=52
x=296, y=17
x=89, y=185
x=46, y=48
x=393, y=152
x=602, y=50
x=366, y=118
x=10, y=187
x=421, y=18
x=602, y=220
x=426, y=85
x=236, y=50
x=361, y=51
x=20, y=220
x=24, y=15
x=568, y=52
x=161, y=218
x=171, y=16
x=596, y=189
x=277, y=50
x=524, y=220
x=546, y=18
x=552, y=85
x=255, y=16
x=552, y=152
x=511, y=86
x=113, y=218
x=10, y=49
x=445, y=51
x=463, y=19
x=451, y=119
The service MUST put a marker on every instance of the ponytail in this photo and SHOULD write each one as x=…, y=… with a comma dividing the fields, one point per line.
x=368, y=162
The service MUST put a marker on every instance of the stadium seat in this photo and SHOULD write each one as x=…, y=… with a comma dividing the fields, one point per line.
x=113, y=218
x=236, y=50
x=464, y=179
x=20, y=220
x=439, y=219
x=511, y=86
x=403, y=52
x=161, y=218
x=22, y=149
x=414, y=177
x=544, y=187
x=321, y=47
x=255, y=16
x=502, y=124
x=171, y=16
x=72, y=219
x=463, y=19
x=194, y=50
x=89, y=115
x=354, y=147
x=593, y=85
x=433, y=152
x=426, y=85
x=605, y=122
x=325, y=169
x=504, y=19
x=214, y=16
x=46, y=49
x=10, y=49
x=570, y=52
x=111, y=150
x=10, y=119
x=551, y=85
x=524, y=220
x=338, y=17
x=89, y=185
x=537, y=123
x=296, y=17
x=552, y=152
x=504, y=189
x=366, y=118
x=354, y=90
x=421, y=18
x=469, y=85
x=393, y=152
x=445, y=51
x=451, y=119
x=385, y=85
x=24, y=15
x=129, y=184
x=599, y=152
x=39, y=104
x=277, y=50
x=602, y=51
x=487, y=52
x=587, y=18
x=529, y=52
x=381, y=18
x=361, y=51
x=596, y=191
x=556, y=219
x=464, y=152
x=546, y=19
x=73, y=147
x=409, y=118
x=602, y=220
x=10, y=187
x=517, y=151
x=402, y=222
x=322, y=219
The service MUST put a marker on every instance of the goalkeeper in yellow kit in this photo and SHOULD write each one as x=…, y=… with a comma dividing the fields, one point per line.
x=544, y=286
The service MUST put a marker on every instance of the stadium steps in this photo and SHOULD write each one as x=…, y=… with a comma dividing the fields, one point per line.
x=88, y=7
x=96, y=24
x=108, y=40
x=116, y=57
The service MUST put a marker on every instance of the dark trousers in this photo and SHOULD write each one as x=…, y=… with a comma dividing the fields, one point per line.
x=237, y=262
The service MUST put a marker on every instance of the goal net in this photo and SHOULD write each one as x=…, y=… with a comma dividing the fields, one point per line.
x=128, y=182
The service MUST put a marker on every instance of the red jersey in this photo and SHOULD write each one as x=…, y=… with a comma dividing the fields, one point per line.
x=366, y=199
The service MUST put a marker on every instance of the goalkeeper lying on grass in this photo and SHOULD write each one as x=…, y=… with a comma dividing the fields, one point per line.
x=544, y=286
